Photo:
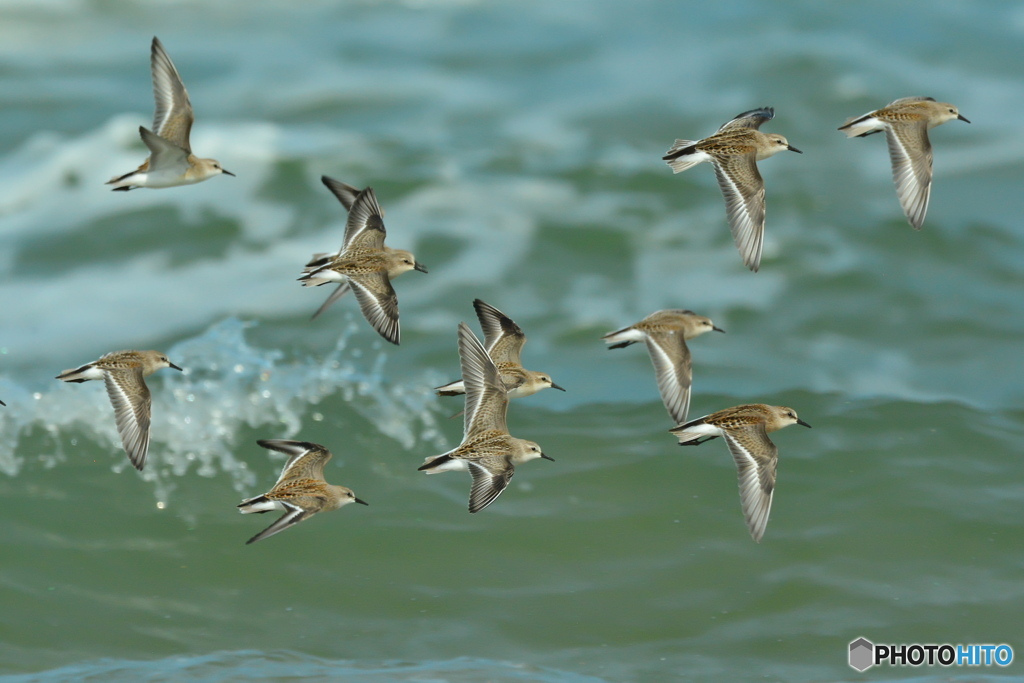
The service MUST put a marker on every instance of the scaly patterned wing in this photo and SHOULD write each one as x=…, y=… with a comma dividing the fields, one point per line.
x=503, y=338
x=132, y=407
x=378, y=302
x=749, y=119
x=743, y=188
x=486, y=397
x=907, y=100
x=306, y=459
x=673, y=370
x=173, y=117
x=756, y=460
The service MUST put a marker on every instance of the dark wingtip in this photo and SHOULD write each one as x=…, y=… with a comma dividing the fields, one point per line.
x=760, y=111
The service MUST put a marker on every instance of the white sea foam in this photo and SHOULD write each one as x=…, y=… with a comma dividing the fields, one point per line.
x=227, y=385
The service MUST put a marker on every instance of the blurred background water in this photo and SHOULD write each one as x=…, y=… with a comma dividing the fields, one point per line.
x=515, y=147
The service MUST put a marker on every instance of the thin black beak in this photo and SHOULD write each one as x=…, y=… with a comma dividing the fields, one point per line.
x=172, y=365
x=547, y=457
x=801, y=422
x=718, y=329
x=420, y=267
x=227, y=172
x=555, y=386
x=2, y=403
x=791, y=148
x=961, y=117
x=361, y=502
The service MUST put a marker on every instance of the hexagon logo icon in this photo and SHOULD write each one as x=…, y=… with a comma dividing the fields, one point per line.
x=862, y=653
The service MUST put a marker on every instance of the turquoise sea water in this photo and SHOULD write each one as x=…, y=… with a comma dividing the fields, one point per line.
x=515, y=147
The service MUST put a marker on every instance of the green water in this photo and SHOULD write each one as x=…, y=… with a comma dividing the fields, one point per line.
x=515, y=148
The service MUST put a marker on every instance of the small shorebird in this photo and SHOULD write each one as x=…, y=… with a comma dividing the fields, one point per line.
x=734, y=152
x=300, y=490
x=906, y=123
x=123, y=373
x=504, y=341
x=363, y=264
x=745, y=430
x=665, y=333
x=487, y=450
x=170, y=162
x=398, y=259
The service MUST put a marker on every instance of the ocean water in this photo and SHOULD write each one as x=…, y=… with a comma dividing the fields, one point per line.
x=515, y=147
